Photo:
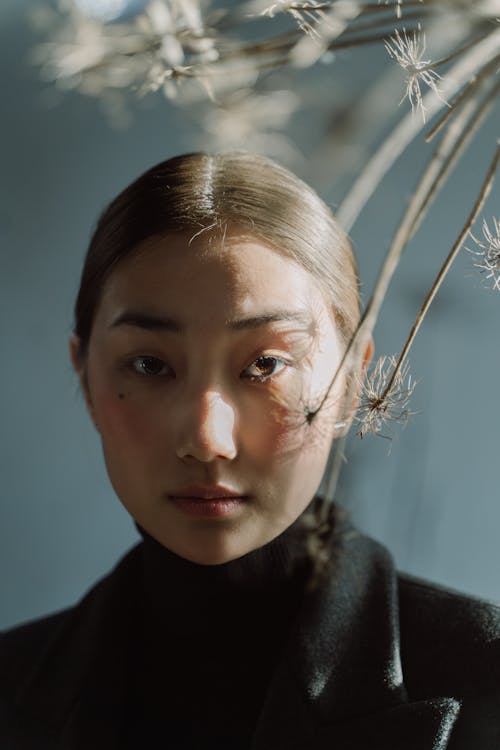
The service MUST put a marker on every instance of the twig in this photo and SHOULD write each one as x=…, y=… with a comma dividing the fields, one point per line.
x=457, y=52
x=358, y=341
x=440, y=165
x=474, y=83
x=407, y=129
x=466, y=131
x=430, y=181
x=478, y=206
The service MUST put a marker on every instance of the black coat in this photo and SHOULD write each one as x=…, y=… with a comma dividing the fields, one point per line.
x=375, y=659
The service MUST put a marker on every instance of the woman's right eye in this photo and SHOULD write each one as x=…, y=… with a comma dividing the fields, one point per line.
x=150, y=366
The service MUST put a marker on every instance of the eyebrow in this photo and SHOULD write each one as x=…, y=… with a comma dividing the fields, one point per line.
x=150, y=322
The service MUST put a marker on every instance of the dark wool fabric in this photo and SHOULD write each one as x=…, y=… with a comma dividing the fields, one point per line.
x=164, y=653
x=207, y=650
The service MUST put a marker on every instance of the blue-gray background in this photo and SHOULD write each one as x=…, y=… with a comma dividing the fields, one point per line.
x=434, y=500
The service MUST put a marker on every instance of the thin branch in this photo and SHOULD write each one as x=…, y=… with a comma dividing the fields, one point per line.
x=357, y=41
x=478, y=206
x=343, y=42
x=407, y=129
x=457, y=52
x=355, y=350
x=381, y=23
x=460, y=133
x=458, y=101
x=359, y=341
x=439, y=167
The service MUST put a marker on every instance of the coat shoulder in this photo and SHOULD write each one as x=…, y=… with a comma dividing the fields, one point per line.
x=68, y=634
x=449, y=637
x=23, y=649
x=22, y=646
x=450, y=646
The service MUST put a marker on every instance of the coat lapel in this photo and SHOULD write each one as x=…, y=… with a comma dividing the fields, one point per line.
x=341, y=682
x=75, y=694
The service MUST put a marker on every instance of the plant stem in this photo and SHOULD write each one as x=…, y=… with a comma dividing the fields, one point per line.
x=456, y=53
x=427, y=189
x=460, y=133
x=439, y=167
x=338, y=457
x=478, y=206
x=407, y=129
x=473, y=84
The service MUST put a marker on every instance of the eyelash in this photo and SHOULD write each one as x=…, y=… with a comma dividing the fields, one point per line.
x=254, y=378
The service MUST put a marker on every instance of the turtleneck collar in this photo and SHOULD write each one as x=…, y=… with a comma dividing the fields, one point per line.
x=212, y=636
x=173, y=581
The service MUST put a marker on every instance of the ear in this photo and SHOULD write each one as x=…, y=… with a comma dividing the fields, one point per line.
x=367, y=358
x=79, y=367
x=368, y=355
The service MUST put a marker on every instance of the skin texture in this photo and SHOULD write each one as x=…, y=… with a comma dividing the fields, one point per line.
x=197, y=412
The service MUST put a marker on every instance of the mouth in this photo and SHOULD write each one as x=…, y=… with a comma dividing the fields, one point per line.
x=213, y=507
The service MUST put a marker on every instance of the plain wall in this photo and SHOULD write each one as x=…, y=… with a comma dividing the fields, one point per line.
x=434, y=500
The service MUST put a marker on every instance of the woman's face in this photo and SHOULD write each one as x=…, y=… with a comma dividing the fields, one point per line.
x=201, y=359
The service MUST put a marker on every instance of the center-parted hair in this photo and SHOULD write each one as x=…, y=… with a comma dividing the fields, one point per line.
x=201, y=191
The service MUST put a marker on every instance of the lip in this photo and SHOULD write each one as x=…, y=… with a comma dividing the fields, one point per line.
x=209, y=502
x=207, y=492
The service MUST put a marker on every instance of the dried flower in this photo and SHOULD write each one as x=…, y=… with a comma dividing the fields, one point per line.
x=155, y=50
x=397, y=3
x=377, y=407
x=257, y=120
x=307, y=14
x=408, y=50
x=178, y=27
x=489, y=254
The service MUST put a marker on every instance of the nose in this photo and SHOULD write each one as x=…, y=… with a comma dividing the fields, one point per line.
x=207, y=428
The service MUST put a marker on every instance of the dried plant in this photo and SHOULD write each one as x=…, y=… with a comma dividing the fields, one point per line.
x=308, y=15
x=379, y=406
x=385, y=388
x=189, y=50
x=489, y=255
x=408, y=50
x=258, y=120
x=399, y=6
x=193, y=52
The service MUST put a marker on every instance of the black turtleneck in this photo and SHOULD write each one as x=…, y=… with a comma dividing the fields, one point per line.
x=211, y=638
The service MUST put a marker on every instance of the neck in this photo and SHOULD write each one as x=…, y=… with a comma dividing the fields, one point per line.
x=262, y=572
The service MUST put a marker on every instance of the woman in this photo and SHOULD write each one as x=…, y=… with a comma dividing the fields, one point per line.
x=217, y=299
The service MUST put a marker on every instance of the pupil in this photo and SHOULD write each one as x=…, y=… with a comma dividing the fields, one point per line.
x=269, y=366
x=151, y=366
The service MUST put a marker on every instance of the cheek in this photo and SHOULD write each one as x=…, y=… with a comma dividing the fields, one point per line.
x=126, y=424
x=291, y=438
x=279, y=428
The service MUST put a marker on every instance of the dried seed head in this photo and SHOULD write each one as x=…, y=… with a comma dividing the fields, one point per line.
x=378, y=408
x=308, y=15
x=155, y=50
x=258, y=120
x=489, y=254
x=397, y=3
x=408, y=51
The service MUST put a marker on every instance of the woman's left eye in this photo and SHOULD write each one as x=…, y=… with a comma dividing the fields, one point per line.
x=149, y=366
x=264, y=367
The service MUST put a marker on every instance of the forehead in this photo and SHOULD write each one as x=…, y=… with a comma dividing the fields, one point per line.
x=211, y=276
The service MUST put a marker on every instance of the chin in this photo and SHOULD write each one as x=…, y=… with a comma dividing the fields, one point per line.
x=211, y=555
x=212, y=558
